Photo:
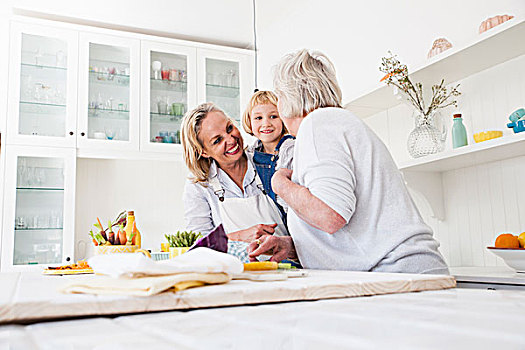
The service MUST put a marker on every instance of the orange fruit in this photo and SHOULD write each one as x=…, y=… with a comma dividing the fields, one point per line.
x=507, y=240
x=521, y=238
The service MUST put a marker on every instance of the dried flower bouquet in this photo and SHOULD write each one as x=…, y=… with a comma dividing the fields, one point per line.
x=397, y=75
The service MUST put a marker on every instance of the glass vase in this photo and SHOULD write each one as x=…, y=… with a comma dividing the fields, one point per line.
x=428, y=136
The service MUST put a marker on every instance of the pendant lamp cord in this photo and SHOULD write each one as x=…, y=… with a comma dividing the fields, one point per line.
x=255, y=45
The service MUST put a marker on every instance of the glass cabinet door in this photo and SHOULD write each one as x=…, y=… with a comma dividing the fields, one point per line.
x=38, y=218
x=109, y=92
x=226, y=80
x=42, y=102
x=168, y=81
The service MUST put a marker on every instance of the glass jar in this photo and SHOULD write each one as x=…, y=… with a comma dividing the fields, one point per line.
x=428, y=136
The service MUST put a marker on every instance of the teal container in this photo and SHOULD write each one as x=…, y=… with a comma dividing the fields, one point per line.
x=459, y=133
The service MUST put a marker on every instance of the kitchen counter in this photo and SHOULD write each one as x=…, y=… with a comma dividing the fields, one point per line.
x=446, y=319
x=493, y=277
x=29, y=297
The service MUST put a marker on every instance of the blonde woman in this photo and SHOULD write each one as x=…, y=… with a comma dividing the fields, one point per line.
x=349, y=207
x=224, y=188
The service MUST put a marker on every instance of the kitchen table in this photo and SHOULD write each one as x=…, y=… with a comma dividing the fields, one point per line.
x=444, y=319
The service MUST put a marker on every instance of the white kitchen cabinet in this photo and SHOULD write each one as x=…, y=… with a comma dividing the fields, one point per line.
x=109, y=92
x=169, y=88
x=83, y=92
x=39, y=201
x=224, y=78
x=42, y=100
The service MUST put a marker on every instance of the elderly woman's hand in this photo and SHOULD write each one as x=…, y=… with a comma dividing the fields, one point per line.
x=280, y=178
x=251, y=233
x=280, y=247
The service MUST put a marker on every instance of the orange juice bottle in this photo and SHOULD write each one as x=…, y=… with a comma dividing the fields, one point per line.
x=131, y=227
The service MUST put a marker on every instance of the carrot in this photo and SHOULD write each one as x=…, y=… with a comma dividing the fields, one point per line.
x=102, y=231
x=95, y=242
x=122, y=235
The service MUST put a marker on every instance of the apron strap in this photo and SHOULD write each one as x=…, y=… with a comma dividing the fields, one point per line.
x=217, y=187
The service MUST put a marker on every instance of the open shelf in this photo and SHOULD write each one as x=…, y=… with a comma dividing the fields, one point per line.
x=508, y=146
x=488, y=49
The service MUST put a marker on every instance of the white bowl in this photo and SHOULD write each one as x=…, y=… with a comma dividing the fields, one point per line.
x=513, y=257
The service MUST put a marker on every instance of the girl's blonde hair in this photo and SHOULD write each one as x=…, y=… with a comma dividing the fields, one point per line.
x=258, y=98
x=192, y=148
x=304, y=81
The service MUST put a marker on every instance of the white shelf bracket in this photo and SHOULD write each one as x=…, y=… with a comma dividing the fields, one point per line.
x=427, y=188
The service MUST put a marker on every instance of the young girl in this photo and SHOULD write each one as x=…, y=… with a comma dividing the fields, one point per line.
x=273, y=149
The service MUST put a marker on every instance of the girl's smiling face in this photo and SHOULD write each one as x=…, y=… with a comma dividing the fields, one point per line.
x=266, y=124
x=221, y=140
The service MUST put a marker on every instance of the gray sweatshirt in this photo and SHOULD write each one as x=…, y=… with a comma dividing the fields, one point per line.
x=343, y=163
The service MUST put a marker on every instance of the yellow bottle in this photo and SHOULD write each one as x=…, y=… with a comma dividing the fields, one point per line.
x=131, y=226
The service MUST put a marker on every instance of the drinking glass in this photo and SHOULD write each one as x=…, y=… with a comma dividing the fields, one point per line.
x=162, y=106
x=156, y=66
x=110, y=133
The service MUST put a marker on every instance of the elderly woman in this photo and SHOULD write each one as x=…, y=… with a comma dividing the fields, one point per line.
x=225, y=188
x=350, y=209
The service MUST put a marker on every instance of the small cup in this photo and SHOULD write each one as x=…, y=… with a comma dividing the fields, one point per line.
x=174, y=75
x=165, y=73
x=162, y=107
x=99, y=135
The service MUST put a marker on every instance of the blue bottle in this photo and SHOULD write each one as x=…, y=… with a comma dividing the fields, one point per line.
x=459, y=133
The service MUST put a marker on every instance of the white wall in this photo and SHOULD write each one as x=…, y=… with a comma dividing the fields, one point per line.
x=153, y=189
x=224, y=22
x=356, y=34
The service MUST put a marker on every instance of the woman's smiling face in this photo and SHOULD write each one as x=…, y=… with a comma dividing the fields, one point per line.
x=266, y=124
x=221, y=140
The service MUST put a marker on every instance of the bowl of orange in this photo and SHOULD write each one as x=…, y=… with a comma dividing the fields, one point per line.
x=511, y=249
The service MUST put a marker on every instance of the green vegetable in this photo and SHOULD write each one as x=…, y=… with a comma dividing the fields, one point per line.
x=183, y=239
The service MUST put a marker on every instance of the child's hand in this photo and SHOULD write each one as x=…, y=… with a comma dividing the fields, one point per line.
x=280, y=178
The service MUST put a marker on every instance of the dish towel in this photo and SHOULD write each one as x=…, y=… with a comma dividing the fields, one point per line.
x=143, y=286
x=135, y=274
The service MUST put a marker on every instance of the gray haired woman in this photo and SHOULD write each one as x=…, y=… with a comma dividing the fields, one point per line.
x=349, y=207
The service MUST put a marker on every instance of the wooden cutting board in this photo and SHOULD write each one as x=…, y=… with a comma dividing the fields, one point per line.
x=32, y=297
x=67, y=272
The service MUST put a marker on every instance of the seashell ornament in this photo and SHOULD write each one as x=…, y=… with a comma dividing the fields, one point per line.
x=439, y=46
x=493, y=21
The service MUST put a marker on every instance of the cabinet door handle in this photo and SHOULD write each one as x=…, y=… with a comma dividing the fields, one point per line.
x=82, y=134
x=68, y=258
x=71, y=133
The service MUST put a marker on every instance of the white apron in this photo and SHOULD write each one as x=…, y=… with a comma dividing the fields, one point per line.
x=240, y=213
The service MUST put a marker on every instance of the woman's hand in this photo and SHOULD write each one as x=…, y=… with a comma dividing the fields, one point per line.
x=280, y=247
x=252, y=233
x=280, y=178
